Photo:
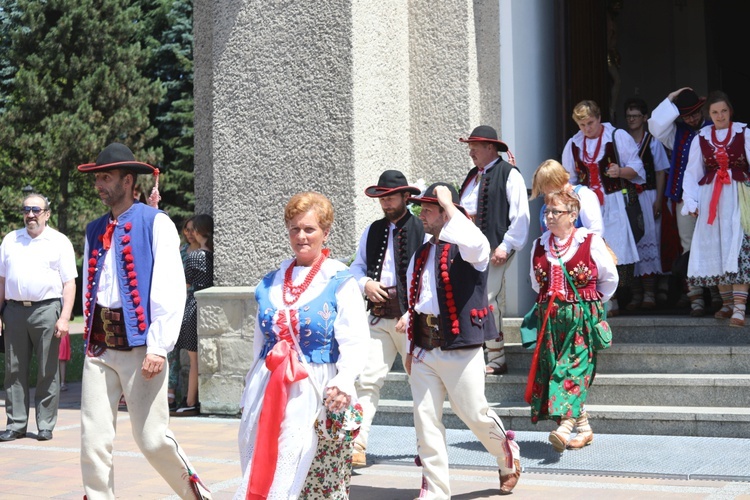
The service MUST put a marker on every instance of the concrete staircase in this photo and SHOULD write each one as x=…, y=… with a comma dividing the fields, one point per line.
x=663, y=375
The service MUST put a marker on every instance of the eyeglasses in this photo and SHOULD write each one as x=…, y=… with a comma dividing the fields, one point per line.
x=555, y=213
x=630, y=118
x=34, y=210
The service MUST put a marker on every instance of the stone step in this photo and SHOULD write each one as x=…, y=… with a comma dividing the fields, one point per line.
x=654, y=358
x=721, y=390
x=608, y=419
x=659, y=330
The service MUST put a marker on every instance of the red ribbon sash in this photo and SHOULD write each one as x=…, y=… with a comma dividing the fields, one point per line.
x=722, y=177
x=285, y=369
x=535, y=359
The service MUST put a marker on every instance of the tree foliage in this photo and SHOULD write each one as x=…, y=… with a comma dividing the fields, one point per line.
x=76, y=75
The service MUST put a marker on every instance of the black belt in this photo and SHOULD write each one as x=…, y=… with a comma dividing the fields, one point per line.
x=30, y=303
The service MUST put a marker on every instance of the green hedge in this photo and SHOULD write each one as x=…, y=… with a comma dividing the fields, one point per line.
x=74, y=368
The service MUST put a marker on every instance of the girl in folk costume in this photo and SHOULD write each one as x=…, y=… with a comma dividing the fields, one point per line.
x=564, y=362
x=715, y=191
x=651, y=197
x=311, y=303
x=606, y=160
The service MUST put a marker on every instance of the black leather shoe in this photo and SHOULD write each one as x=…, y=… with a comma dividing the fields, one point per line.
x=44, y=435
x=10, y=435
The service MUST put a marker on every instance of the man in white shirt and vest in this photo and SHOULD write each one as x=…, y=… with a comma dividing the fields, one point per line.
x=37, y=288
x=134, y=299
x=383, y=254
x=494, y=196
x=448, y=319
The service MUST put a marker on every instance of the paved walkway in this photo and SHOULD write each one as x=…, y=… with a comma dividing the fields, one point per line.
x=673, y=468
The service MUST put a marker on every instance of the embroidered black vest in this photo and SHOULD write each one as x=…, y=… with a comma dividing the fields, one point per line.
x=609, y=184
x=409, y=235
x=493, y=208
x=467, y=303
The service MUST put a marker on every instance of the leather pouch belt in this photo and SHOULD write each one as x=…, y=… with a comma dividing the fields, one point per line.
x=108, y=329
x=389, y=309
x=427, y=332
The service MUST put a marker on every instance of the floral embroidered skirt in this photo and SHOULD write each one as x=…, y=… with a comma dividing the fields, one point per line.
x=330, y=471
x=567, y=364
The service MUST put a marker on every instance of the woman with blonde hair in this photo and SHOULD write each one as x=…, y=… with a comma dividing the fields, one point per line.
x=549, y=177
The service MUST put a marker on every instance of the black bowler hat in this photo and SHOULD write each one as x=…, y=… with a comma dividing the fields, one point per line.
x=429, y=196
x=390, y=182
x=117, y=156
x=688, y=102
x=485, y=133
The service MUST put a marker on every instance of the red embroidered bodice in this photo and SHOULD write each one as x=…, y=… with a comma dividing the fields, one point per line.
x=582, y=270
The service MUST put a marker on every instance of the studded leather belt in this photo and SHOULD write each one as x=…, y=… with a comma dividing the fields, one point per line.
x=108, y=329
x=427, y=332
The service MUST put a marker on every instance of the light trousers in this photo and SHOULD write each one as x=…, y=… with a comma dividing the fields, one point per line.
x=496, y=298
x=385, y=344
x=104, y=378
x=459, y=374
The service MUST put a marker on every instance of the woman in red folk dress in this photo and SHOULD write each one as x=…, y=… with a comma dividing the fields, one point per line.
x=565, y=361
x=716, y=192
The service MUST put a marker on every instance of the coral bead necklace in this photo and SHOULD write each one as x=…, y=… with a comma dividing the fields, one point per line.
x=294, y=291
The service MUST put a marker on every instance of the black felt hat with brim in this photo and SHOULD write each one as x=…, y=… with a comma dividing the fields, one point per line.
x=688, y=102
x=391, y=182
x=117, y=156
x=429, y=196
x=485, y=133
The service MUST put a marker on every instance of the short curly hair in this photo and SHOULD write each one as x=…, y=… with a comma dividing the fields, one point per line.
x=570, y=200
x=302, y=203
x=586, y=109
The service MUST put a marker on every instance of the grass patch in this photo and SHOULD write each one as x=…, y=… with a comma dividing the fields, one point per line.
x=74, y=368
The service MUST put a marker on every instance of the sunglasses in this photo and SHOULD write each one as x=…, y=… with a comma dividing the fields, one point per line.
x=34, y=210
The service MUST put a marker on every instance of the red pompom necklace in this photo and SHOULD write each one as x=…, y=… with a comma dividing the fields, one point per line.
x=294, y=291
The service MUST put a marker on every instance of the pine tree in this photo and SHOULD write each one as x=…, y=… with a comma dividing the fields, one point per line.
x=72, y=81
x=171, y=63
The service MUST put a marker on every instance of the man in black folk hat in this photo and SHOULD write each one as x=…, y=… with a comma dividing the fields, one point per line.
x=134, y=299
x=675, y=122
x=384, y=251
x=494, y=195
x=449, y=318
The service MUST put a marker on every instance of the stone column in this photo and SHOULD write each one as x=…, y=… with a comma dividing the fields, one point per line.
x=320, y=95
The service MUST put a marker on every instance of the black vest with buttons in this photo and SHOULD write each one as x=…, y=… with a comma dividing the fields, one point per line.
x=409, y=235
x=493, y=208
x=467, y=302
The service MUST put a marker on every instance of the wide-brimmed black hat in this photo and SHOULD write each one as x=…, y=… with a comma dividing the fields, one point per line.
x=390, y=182
x=688, y=102
x=429, y=196
x=485, y=133
x=117, y=156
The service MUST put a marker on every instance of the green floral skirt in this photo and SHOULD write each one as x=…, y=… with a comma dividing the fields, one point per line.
x=567, y=364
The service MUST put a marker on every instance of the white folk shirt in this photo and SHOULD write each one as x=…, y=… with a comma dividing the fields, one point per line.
x=36, y=268
x=167, y=299
x=473, y=247
x=518, y=211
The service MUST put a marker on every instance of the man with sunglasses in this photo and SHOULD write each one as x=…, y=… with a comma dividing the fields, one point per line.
x=675, y=122
x=37, y=270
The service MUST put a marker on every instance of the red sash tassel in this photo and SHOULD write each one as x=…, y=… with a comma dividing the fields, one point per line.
x=535, y=359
